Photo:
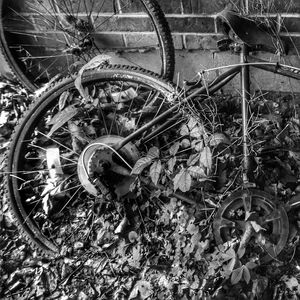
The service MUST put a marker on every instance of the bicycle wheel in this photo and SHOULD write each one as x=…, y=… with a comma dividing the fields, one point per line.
x=40, y=39
x=61, y=165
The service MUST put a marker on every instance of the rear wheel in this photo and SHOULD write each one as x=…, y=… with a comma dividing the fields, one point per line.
x=42, y=38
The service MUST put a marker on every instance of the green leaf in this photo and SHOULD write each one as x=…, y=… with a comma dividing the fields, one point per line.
x=124, y=96
x=236, y=275
x=184, y=130
x=251, y=265
x=192, y=123
x=171, y=163
x=196, y=132
x=95, y=62
x=155, y=171
x=141, y=164
x=182, y=181
x=185, y=143
x=153, y=153
x=197, y=172
x=62, y=117
x=63, y=99
x=193, y=159
x=206, y=158
x=132, y=236
x=246, y=274
x=174, y=148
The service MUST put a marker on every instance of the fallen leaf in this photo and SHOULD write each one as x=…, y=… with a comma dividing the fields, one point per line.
x=155, y=171
x=62, y=117
x=182, y=181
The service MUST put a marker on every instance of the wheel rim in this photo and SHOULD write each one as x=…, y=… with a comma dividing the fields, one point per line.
x=55, y=214
x=253, y=208
x=64, y=35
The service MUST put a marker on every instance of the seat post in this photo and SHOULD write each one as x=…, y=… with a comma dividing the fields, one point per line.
x=245, y=91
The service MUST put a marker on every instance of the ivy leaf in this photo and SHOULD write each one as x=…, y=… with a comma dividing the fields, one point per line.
x=174, y=148
x=62, y=117
x=206, y=158
x=196, y=132
x=251, y=265
x=197, y=172
x=153, y=153
x=236, y=275
x=184, y=130
x=182, y=181
x=155, y=171
x=141, y=164
x=171, y=163
x=246, y=274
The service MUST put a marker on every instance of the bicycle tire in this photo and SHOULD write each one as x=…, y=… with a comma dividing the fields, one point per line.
x=22, y=73
x=37, y=111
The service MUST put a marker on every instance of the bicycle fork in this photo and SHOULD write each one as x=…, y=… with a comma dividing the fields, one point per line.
x=245, y=91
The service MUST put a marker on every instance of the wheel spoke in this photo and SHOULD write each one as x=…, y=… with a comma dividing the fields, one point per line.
x=224, y=222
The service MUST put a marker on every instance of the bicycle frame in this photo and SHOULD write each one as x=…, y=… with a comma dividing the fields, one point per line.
x=243, y=68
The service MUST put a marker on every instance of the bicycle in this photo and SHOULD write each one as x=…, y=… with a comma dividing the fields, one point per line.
x=42, y=39
x=77, y=152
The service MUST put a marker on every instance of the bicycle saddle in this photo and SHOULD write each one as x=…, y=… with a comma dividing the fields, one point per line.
x=257, y=35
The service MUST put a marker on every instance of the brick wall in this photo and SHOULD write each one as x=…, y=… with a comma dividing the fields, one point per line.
x=193, y=24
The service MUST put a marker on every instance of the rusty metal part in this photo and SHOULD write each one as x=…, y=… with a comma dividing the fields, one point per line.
x=99, y=160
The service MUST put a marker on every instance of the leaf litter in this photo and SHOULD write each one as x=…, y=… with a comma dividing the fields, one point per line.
x=159, y=249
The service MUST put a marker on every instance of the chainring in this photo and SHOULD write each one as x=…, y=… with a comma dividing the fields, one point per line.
x=253, y=211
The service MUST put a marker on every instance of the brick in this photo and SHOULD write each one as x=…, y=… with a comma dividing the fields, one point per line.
x=118, y=23
x=201, y=42
x=207, y=6
x=109, y=40
x=178, y=41
x=291, y=25
x=70, y=6
x=191, y=24
x=171, y=6
x=140, y=40
x=131, y=6
x=86, y=6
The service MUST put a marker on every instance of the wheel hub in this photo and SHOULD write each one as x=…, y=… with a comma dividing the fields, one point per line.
x=100, y=161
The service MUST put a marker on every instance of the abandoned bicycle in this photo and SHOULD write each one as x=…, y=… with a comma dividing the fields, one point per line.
x=126, y=132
